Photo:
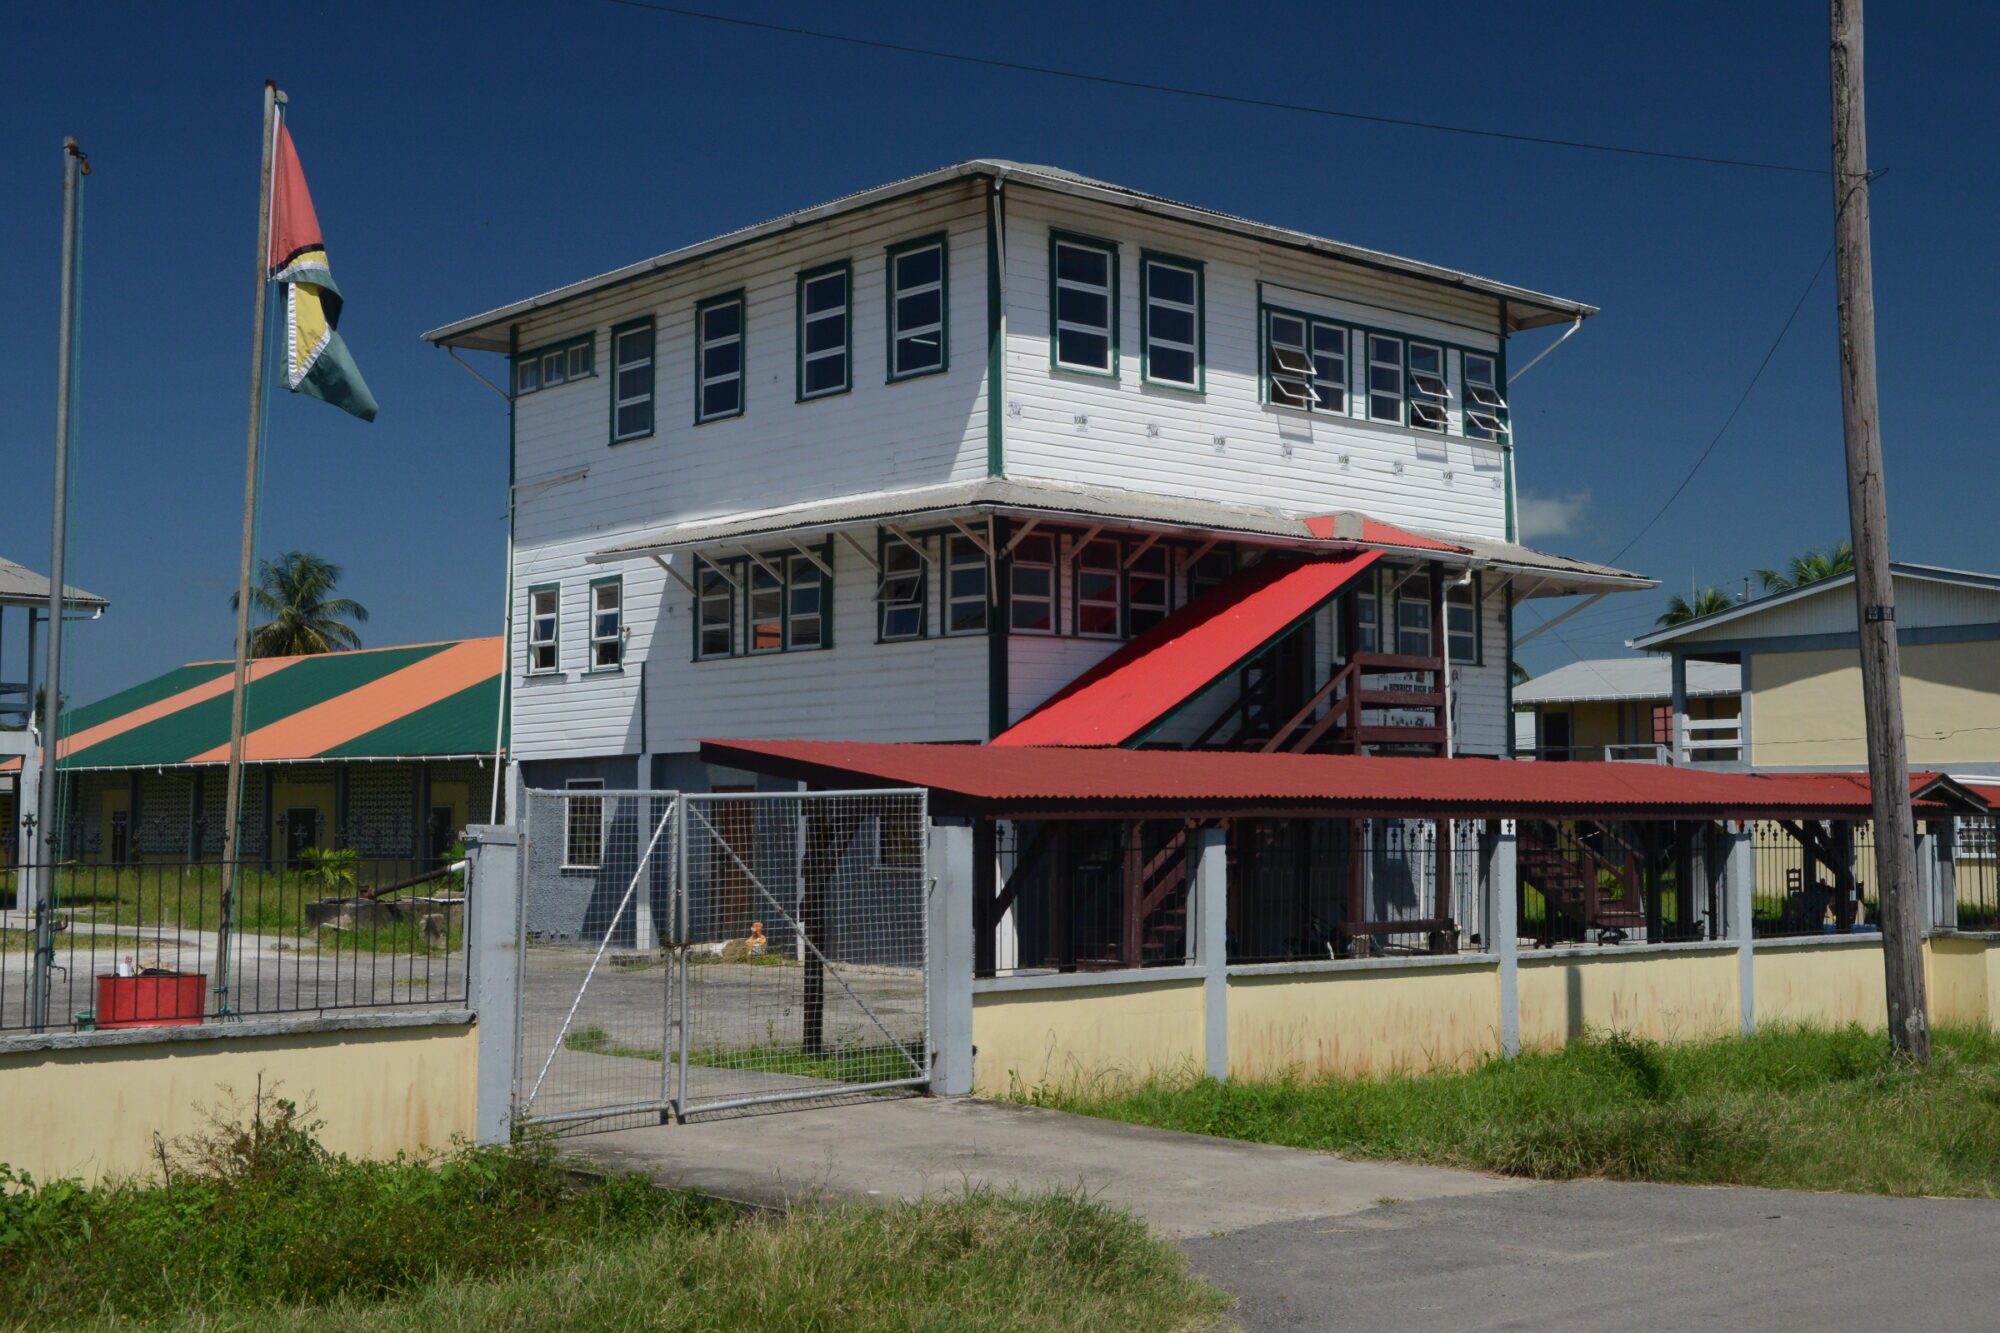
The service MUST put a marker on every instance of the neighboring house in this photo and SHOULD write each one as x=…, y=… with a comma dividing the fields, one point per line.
x=1622, y=708
x=388, y=751
x=910, y=464
x=1798, y=652
x=24, y=590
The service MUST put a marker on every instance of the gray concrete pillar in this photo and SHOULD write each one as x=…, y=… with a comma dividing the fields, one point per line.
x=1739, y=893
x=1680, y=706
x=1500, y=930
x=1209, y=890
x=1937, y=872
x=949, y=958
x=493, y=971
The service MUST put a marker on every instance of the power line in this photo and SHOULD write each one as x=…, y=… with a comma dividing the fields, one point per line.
x=1728, y=421
x=1233, y=99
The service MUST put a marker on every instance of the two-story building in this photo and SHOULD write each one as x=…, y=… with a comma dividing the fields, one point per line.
x=1001, y=445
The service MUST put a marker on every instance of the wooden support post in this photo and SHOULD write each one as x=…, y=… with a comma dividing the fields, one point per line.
x=1059, y=905
x=1132, y=880
x=1868, y=519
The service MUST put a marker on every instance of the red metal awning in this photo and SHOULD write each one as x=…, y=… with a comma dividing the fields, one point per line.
x=1055, y=781
x=1136, y=687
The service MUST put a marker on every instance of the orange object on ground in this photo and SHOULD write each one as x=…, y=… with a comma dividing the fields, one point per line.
x=169, y=999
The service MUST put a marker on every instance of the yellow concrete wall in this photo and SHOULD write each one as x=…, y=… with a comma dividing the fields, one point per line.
x=1827, y=985
x=1668, y=996
x=1077, y=1036
x=92, y=1112
x=1807, y=706
x=1960, y=988
x=1363, y=1021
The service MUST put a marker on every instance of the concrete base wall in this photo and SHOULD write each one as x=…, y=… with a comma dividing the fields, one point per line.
x=1086, y=1034
x=1821, y=985
x=89, y=1104
x=1363, y=1021
x=1670, y=995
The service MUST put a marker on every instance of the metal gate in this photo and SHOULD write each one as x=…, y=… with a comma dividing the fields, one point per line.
x=683, y=953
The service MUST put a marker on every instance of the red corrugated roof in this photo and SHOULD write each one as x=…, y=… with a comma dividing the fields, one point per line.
x=1375, y=531
x=1990, y=795
x=1055, y=779
x=1144, y=681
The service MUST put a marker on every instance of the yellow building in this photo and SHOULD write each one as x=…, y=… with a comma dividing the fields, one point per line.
x=1622, y=708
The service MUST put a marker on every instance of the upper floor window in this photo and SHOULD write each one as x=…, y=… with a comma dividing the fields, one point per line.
x=1305, y=362
x=1083, y=304
x=917, y=308
x=1385, y=378
x=544, y=628
x=546, y=367
x=607, y=623
x=1429, y=395
x=632, y=380
x=1461, y=622
x=715, y=611
x=1097, y=580
x=965, y=591
x=1146, y=589
x=718, y=358
x=1485, y=409
x=899, y=599
x=1031, y=586
x=1171, y=326
x=825, y=331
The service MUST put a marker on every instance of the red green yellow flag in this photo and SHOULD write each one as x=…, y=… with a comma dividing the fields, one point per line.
x=317, y=362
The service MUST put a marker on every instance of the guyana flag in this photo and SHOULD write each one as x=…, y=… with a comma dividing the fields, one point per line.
x=316, y=360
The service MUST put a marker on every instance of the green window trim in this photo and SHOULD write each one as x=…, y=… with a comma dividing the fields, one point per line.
x=1109, y=249
x=616, y=638
x=921, y=601
x=892, y=334
x=741, y=340
x=951, y=547
x=800, y=356
x=1492, y=403
x=1116, y=603
x=1356, y=364
x=650, y=398
x=729, y=589
x=575, y=358
x=1147, y=259
x=822, y=578
x=554, y=642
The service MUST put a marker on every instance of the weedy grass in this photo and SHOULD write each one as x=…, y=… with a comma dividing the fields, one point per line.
x=1784, y=1109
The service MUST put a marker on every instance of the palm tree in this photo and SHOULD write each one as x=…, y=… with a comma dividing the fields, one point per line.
x=1810, y=567
x=295, y=593
x=1706, y=602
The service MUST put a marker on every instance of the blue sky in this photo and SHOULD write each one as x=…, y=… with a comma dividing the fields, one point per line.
x=466, y=155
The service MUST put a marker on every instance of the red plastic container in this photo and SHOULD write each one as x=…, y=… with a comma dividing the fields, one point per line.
x=170, y=999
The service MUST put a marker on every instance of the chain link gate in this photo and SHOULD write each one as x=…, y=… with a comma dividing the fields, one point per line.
x=684, y=953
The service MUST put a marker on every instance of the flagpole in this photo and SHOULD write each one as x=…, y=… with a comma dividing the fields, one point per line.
x=43, y=881
x=232, y=799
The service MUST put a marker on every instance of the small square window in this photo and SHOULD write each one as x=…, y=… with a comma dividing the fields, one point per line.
x=579, y=360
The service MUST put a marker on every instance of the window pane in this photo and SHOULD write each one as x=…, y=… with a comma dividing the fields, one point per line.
x=1032, y=617
x=635, y=419
x=826, y=293
x=634, y=346
x=579, y=360
x=721, y=399
x=1170, y=284
x=1034, y=551
x=825, y=374
x=825, y=334
x=920, y=353
x=722, y=321
x=724, y=360
x=555, y=368
x=606, y=625
x=1097, y=620
x=1080, y=307
x=1032, y=582
x=1170, y=363
x=919, y=311
x=1076, y=263
x=528, y=375
x=920, y=266
x=1074, y=348
x=1171, y=324
x=635, y=383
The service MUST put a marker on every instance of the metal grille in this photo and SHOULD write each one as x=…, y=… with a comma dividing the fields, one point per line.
x=689, y=954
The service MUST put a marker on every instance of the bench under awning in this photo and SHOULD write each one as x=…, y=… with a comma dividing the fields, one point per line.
x=1144, y=682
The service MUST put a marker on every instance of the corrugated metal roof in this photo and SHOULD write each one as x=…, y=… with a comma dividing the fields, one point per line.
x=1129, y=692
x=416, y=701
x=1526, y=309
x=1550, y=575
x=21, y=586
x=1618, y=679
x=1053, y=780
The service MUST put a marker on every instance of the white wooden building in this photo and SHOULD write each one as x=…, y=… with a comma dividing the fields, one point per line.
x=905, y=465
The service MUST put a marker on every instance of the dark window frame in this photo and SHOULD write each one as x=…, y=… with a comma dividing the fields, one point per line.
x=652, y=395
x=806, y=277
x=891, y=333
x=702, y=310
x=1199, y=270
x=1059, y=238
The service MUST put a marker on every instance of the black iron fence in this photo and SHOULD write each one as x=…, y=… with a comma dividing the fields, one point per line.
x=1605, y=882
x=97, y=946
x=1976, y=872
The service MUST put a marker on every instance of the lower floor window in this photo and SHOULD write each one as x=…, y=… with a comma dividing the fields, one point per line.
x=900, y=597
x=715, y=612
x=965, y=594
x=1146, y=590
x=583, y=825
x=1031, y=587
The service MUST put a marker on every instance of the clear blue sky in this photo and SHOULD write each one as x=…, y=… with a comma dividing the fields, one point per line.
x=466, y=155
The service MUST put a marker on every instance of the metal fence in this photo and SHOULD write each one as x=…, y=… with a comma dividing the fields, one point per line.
x=685, y=954
x=1975, y=854
x=1601, y=882
x=137, y=944
x=1814, y=878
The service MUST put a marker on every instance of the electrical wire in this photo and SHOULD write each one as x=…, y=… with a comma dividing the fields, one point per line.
x=1233, y=99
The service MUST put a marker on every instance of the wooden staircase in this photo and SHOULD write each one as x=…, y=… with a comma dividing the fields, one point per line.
x=1569, y=866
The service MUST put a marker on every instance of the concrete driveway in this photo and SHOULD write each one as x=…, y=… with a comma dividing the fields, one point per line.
x=1308, y=1241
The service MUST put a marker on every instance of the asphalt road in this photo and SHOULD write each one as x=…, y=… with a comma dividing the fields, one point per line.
x=1610, y=1258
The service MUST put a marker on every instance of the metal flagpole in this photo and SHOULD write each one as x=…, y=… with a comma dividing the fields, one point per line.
x=75, y=164
x=233, y=795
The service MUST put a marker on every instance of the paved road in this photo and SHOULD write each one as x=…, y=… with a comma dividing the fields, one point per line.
x=1309, y=1241
x=1610, y=1258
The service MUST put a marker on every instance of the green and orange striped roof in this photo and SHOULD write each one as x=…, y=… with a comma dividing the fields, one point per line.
x=420, y=701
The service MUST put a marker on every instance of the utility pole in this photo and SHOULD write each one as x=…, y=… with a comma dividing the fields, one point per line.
x=1874, y=592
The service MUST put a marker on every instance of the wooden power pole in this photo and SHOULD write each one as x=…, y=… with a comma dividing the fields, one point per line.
x=1874, y=593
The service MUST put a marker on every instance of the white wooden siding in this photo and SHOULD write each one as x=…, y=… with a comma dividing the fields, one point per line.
x=1162, y=440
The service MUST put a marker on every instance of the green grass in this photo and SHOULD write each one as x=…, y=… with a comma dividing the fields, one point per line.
x=260, y=1229
x=1785, y=1109
x=842, y=1064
